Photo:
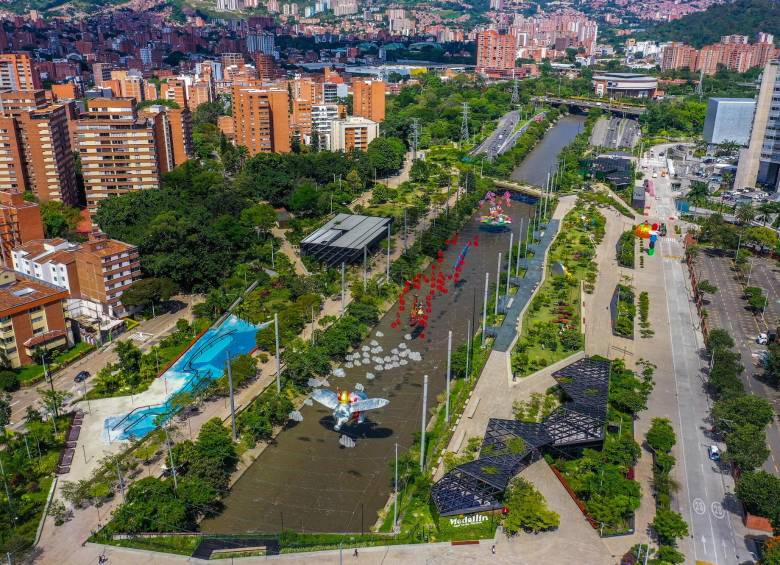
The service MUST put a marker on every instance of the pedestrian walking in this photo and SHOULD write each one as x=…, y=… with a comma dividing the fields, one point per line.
x=493, y=549
x=356, y=553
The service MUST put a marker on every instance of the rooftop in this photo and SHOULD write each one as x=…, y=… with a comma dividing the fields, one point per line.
x=349, y=231
x=17, y=290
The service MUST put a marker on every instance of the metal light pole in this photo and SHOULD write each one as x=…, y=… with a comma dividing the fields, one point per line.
x=395, y=505
x=422, y=426
x=365, y=268
x=449, y=369
x=343, y=290
x=468, y=348
x=519, y=247
x=278, y=363
x=484, y=309
x=498, y=282
x=232, y=402
x=509, y=262
x=170, y=455
x=388, y=253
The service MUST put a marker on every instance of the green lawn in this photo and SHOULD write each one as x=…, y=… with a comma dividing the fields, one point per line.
x=551, y=324
x=180, y=545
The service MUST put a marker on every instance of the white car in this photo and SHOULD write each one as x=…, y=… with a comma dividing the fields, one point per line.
x=655, y=175
x=762, y=339
x=713, y=452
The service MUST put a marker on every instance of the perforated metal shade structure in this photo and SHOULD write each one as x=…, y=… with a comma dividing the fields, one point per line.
x=343, y=238
x=509, y=446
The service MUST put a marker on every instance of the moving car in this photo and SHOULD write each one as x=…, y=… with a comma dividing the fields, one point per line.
x=762, y=339
x=81, y=376
x=713, y=452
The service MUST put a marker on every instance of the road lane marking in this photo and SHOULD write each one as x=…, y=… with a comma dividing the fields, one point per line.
x=717, y=510
x=699, y=507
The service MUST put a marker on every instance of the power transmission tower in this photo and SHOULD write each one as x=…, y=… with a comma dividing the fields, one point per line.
x=700, y=86
x=464, y=124
x=415, y=137
x=515, y=93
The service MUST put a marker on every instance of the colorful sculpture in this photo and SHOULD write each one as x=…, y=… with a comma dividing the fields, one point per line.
x=347, y=406
x=496, y=219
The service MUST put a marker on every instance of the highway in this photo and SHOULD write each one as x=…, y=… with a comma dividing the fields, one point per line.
x=705, y=497
x=493, y=144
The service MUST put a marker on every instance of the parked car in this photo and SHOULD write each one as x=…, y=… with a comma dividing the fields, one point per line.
x=81, y=376
x=713, y=452
x=762, y=339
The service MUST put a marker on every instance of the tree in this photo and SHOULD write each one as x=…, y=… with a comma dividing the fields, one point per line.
x=5, y=410
x=661, y=436
x=53, y=399
x=706, y=287
x=669, y=526
x=669, y=554
x=744, y=409
x=59, y=220
x=527, y=509
x=148, y=292
x=9, y=381
x=129, y=357
x=260, y=217
x=745, y=213
x=771, y=551
x=746, y=447
x=719, y=339
x=698, y=193
x=760, y=492
x=386, y=155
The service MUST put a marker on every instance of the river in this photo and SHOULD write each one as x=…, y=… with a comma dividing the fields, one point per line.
x=544, y=157
x=305, y=480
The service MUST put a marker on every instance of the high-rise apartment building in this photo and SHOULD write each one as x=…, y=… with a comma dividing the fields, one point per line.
x=51, y=171
x=20, y=221
x=101, y=72
x=495, y=51
x=16, y=72
x=172, y=133
x=322, y=116
x=352, y=133
x=117, y=148
x=760, y=161
x=175, y=90
x=36, y=147
x=261, y=119
x=368, y=99
x=262, y=42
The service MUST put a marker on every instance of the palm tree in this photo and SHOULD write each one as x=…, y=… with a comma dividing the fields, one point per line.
x=766, y=210
x=698, y=193
x=745, y=213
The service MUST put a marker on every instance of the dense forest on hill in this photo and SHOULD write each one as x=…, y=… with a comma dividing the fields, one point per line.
x=744, y=17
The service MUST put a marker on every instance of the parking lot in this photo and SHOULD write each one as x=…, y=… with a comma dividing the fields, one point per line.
x=727, y=309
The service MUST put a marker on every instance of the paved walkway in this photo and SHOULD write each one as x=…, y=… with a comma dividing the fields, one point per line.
x=291, y=253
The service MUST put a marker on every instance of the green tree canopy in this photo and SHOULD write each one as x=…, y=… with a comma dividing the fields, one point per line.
x=744, y=409
x=669, y=526
x=148, y=292
x=760, y=492
x=661, y=436
x=746, y=447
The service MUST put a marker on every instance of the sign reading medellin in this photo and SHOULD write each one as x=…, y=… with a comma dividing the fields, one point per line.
x=470, y=520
